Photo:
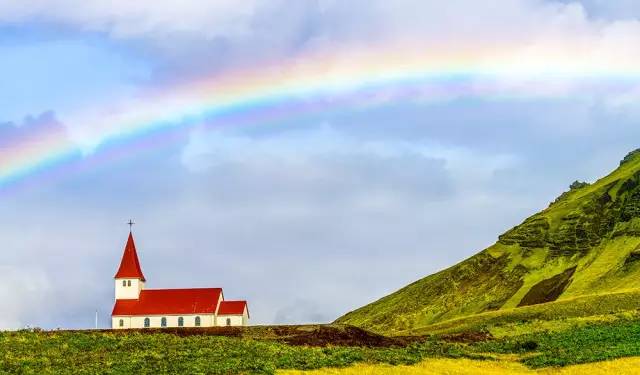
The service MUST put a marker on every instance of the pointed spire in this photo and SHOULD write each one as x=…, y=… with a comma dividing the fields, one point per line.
x=129, y=265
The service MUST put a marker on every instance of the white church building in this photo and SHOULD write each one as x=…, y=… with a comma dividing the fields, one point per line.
x=139, y=307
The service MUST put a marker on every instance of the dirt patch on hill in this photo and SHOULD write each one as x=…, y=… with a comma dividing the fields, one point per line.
x=548, y=290
x=302, y=335
x=335, y=336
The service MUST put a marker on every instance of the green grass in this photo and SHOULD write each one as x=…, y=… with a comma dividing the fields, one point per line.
x=594, y=227
x=586, y=344
x=163, y=353
x=534, y=344
x=626, y=302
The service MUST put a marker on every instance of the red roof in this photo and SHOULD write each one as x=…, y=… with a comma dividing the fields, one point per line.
x=129, y=265
x=170, y=302
x=232, y=308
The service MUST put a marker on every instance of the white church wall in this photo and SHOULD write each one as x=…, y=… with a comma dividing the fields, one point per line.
x=115, y=322
x=235, y=320
x=126, y=291
x=206, y=320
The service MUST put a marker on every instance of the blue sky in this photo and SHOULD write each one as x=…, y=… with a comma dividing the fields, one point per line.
x=309, y=217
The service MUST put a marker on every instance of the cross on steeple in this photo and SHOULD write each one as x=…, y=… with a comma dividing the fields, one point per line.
x=130, y=223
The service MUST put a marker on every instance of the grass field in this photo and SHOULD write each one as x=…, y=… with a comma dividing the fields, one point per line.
x=171, y=352
x=265, y=350
x=625, y=366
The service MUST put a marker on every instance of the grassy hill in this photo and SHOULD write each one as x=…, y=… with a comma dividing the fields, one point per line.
x=561, y=314
x=586, y=242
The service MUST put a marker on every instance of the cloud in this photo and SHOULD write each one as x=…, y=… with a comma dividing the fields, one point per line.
x=31, y=141
x=627, y=103
x=223, y=33
x=302, y=311
x=123, y=19
x=24, y=294
x=547, y=50
x=610, y=10
x=29, y=130
x=319, y=162
x=536, y=50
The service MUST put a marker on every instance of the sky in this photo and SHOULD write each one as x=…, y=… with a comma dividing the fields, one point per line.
x=308, y=156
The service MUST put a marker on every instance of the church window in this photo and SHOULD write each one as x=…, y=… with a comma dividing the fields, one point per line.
x=163, y=322
x=121, y=323
x=197, y=321
x=147, y=322
x=180, y=321
x=228, y=321
x=124, y=282
x=128, y=282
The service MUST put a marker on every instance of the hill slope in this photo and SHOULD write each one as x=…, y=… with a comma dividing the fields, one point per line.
x=586, y=242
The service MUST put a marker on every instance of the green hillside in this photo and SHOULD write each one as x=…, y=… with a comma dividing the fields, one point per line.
x=586, y=242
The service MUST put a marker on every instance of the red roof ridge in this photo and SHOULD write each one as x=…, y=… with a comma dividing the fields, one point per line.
x=130, y=265
x=170, y=302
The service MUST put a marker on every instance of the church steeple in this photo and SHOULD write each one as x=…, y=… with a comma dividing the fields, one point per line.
x=129, y=280
x=130, y=265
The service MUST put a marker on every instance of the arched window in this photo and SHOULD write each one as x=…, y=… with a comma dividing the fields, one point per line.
x=180, y=321
x=124, y=282
x=121, y=323
x=163, y=322
x=147, y=322
x=128, y=282
x=197, y=321
x=228, y=322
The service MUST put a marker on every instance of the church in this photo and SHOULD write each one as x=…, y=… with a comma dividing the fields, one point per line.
x=139, y=307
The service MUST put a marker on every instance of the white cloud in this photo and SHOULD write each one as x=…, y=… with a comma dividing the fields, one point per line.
x=539, y=49
x=626, y=103
x=536, y=49
x=286, y=27
x=124, y=19
x=207, y=148
x=608, y=9
x=23, y=292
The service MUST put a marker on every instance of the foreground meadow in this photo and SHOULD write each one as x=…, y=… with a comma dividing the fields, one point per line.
x=445, y=366
x=556, y=347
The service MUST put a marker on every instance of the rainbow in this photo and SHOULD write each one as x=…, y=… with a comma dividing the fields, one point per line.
x=315, y=82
